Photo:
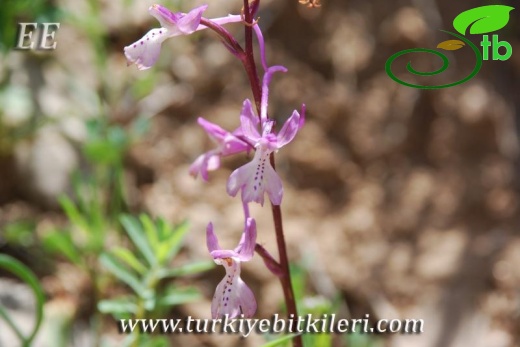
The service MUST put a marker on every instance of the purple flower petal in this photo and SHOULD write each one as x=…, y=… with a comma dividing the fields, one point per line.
x=214, y=131
x=247, y=110
x=302, y=116
x=189, y=22
x=246, y=247
x=273, y=185
x=211, y=239
x=289, y=130
x=265, y=88
x=166, y=17
x=208, y=161
x=248, y=122
x=228, y=143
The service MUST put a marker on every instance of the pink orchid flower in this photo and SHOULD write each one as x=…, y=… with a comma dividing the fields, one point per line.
x=232, y=296
x=145, y=52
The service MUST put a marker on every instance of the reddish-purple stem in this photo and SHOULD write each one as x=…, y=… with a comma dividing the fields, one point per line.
x=248, y=60
x=250, y=66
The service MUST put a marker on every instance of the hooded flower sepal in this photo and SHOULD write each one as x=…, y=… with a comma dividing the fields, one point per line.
x=232, y=296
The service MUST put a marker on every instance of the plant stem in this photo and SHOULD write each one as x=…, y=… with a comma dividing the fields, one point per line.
x=248, y=60
x=285, y=280
x=250, y=67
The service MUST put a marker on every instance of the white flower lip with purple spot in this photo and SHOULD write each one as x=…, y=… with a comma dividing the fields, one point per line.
x=232, y=296
x=145, y=52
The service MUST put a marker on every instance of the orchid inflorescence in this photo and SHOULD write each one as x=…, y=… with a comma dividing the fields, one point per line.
x=255, y=134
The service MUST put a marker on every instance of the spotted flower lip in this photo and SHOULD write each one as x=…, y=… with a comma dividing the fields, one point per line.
x=258, y=176
x=232, y=296
x=145, y=52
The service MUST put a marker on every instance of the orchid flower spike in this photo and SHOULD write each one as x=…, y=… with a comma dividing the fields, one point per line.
x=258, y=176
x=227, y=144
x=145, y=52
x=232, y=296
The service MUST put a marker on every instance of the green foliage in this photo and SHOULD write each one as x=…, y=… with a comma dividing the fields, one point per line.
x=281, y=341
x=483, y=19
x=144, y=270
x=359, y=339
x=20, y=233
x=318, y=306
x=25, y=274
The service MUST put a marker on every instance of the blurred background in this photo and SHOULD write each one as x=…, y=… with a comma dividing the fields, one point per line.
x=399, y=202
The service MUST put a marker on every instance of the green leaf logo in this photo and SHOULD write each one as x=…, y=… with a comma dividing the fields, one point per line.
x=483, y=20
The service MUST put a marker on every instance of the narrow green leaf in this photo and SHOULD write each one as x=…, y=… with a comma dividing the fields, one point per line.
x=280, y=340
x=188, y=269
x=25, y=274
x=150, y=230
x=298, y=278
x=483, y=19
x=136, y=233
x=61, y=241
x=176, y=296
x=101, y=152
x=118, y=306
x=174, y=243
x=158, y=341
x=11, y=324
x=317, y=340
x=129, y=259
x=121, y=273
x=164, y=229
x=72, y=212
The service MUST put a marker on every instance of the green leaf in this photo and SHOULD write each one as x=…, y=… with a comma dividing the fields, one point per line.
x=117, y=137
x=360, y=339
x=20, y=232
x=61, y=242
x=73, y=212
x=173, y=244
x=101, y=152
x=118, y=306
x=280, y=341
x=176, y=296
x=299, y=279
x=121, y=273
x=25, y=274
x=136, y=233
x=483, y=19
x=188, y=269
x=317, y=340
x=129, y=258
x=150, y=230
